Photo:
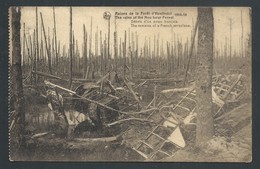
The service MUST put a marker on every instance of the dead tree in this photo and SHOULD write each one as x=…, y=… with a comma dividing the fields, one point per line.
x=55, y=38
x=108, y=41
x=242, y=36
x=168, y=58
x=16, y=69
x=136, y=52
x=124, y=57
x=47, y=48
x=105, y=53
x=101, y=53
x=71, y=49
x=230, y=40
x=32, y=56
x=248, y=54
x=133, y=51
x=115, y=47
x=204, y=130
x=37, y=45
x=91, y=57
x=85, y=59
x=27, y=46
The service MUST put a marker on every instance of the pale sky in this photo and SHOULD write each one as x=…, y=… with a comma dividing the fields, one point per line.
x=82, y=15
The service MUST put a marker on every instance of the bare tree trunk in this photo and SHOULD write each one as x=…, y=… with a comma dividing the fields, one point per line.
x=242, y=36
x=90, y=46
x=124, y=55
x=248, y=55
x=105, y=53
x=108, y=44
x=32, y=56
x=16, y=70
x=71, y=52
x=37, y=46
x=85, y=59
x=55, y=38
x=101, y=53
x=115, y=48
x=205, y=129
x=230, y=40
x=47, y=48
x=136, y=53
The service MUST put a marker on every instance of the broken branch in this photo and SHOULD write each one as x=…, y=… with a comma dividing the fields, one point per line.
x=129, y=119
x=185, y=89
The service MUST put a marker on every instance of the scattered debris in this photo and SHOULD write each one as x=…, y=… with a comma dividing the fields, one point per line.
x=166, y=138
x=109, y=110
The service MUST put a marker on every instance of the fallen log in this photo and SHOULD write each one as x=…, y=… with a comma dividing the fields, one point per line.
x=176, y=90
x=163, y=80
x=215, y=97
x=57, y=86
x=129, y=119
x=40, y=135
x=143, y=111
x=59, y=78
x=112, y=88
x=139, y=85
x=154, y=95
x=83, y=80
x=49, y=76
x=103, y=78
x=102, y=139
x=149, y=105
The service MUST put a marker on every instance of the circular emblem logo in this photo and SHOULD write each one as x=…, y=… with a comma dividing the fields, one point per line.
x=107, y=15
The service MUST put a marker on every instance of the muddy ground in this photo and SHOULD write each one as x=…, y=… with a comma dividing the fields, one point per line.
x=233, y=148
x=233, y=141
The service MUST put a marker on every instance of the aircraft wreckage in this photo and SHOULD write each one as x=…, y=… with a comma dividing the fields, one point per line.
x=160, y=128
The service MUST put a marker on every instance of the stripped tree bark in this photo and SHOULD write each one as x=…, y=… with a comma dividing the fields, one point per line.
x=16, y=70
x=204, y=130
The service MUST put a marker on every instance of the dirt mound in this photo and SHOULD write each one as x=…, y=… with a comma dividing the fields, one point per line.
x=228, y=150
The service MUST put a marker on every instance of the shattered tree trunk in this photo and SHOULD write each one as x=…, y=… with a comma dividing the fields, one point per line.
x=205, y=128
x=17, y=72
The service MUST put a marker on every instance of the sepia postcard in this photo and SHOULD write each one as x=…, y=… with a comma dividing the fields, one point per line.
x=167, y=84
